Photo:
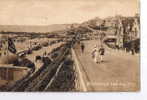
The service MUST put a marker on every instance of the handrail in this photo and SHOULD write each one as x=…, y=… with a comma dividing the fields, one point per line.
x=78, y=69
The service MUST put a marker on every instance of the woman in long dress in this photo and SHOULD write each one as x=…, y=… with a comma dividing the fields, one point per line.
x=95, y=54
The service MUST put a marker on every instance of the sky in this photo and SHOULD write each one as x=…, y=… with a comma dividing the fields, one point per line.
x=46, y=12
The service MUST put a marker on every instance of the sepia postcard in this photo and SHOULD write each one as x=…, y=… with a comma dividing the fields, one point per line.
x=69, y=45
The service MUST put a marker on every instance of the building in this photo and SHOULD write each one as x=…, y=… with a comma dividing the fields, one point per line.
x=10, y=74
x=3, y=45
x=127, y=30
x=136, y=27
x=119, y=33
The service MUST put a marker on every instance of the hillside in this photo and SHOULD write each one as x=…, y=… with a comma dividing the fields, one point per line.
x=21, y=28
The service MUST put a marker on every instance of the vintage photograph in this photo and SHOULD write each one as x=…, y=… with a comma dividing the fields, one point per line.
x=69, y=45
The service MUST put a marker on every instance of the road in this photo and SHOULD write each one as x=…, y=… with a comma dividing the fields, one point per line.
x=40, y=52
x=118, y=72
x=25, y=45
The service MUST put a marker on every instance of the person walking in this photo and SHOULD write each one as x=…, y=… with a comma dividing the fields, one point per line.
x=95, y=54
x=45, y=54
x=101, y=52
x=82, y=47
x=132, y=48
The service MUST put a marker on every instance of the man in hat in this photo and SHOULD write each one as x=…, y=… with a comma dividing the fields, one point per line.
x=101, y=52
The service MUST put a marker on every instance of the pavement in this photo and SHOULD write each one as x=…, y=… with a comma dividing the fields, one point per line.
x=120, y=71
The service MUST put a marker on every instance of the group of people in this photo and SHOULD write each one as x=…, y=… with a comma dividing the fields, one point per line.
x=97, y=53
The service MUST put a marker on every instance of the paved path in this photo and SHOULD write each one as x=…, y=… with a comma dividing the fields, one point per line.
x=118, y=72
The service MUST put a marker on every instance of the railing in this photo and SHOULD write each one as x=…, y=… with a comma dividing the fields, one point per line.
x=80, y=82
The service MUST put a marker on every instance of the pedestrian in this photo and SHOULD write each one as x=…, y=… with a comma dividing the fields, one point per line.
x=132, y=51
x=45, y=54
x=95, y=54
x=82, y=47
x=132, y=48
x=101, y=52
